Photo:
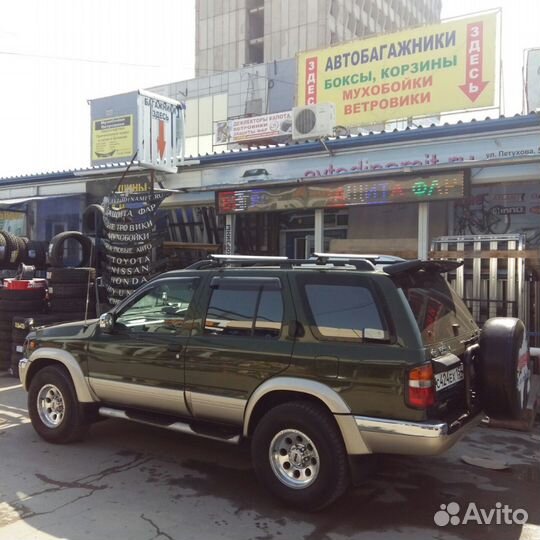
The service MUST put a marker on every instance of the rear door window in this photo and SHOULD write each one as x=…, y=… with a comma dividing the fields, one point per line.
x=438, y=310
x=245, y=307
x=341, y=308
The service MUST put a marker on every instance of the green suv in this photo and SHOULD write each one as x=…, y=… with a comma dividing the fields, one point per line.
x=316, y=362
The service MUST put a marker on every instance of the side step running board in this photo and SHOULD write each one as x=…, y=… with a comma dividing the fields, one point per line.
x=180, y=427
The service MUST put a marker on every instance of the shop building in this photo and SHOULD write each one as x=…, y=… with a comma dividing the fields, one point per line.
x=397, y=193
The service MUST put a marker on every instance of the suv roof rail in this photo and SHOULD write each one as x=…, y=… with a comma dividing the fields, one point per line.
x=359, y=262
x=373, y=258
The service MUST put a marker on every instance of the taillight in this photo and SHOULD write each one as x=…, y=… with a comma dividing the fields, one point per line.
x=421, y=387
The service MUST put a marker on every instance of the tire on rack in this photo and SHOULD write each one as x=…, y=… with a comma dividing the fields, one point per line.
x=5, y=335
x=12, y=248
x=36, y=253
x=92, y=220
x=504, y=370
x=66, y=305
x=71, y=290
x=56, y=249
x=55, y=412
x=22, y=250
x=17, y=306
x=35, y=294
x=299, y=455
x=14, y=364
x=71, y=275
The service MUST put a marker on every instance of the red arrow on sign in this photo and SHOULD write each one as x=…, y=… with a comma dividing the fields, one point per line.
x=474, y=85
x=161, y=143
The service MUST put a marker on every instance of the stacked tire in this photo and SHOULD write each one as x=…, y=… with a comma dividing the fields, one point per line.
x=15, y=250
x=72, y=293
x=14, y=302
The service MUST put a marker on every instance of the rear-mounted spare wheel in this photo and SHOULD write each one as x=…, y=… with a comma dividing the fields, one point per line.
x=504, y=372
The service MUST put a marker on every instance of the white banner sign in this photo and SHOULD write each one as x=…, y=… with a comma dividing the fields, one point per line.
x=532, y=89
x=253, y=128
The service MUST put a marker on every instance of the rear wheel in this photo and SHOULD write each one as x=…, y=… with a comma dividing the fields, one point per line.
x=54, y=410
x=299, y=455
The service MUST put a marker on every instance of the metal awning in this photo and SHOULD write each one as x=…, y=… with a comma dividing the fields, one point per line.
x=21, y=200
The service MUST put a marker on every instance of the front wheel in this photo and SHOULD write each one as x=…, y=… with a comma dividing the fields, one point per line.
x=54, y=410
x=299, y=455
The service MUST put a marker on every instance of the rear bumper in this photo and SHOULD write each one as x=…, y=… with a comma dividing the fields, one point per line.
x=413, y=438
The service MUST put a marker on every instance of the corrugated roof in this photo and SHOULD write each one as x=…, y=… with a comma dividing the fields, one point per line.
x=408, y=134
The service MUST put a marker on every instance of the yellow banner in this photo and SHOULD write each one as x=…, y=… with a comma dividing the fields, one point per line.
x=112, y=138
x=423, y=71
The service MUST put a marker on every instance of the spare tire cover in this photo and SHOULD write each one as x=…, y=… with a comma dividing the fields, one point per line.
x=504, y=371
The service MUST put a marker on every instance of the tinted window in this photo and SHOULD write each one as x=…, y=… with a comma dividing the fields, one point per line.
x=439, y=312
x=344, y=311
x=161, y=310
x=245, y=311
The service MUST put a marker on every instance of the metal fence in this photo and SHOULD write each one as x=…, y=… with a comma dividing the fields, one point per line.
x=499, y=277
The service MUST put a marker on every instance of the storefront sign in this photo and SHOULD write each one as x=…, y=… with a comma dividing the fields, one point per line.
x=266, y=126
x=113, y=138
x=426, y=70
x=348, y=192
x=500, y=209
x=431, y=154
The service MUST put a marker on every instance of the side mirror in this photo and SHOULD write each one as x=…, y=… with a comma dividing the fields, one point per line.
x=106, y=322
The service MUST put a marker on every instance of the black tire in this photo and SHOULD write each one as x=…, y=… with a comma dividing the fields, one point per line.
x=92, y=220
x=71, y=290
x=14, y=365
x=12, y=248
x=5, y=325
x=21, y=252
x=128, y=261
x=18, y=337
x=504, y=368
x=4, y=252
x=72, y=426
x=72, y=316
x=36, y=253
x=71, y=305
x=5, y=335
x=56, y=249
x=36, y=294
x=71, y=275
x=17, y=306
x=135, y=249
x=313, y=422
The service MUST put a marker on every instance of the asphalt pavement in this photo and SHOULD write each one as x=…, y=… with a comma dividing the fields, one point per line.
x=131, y=482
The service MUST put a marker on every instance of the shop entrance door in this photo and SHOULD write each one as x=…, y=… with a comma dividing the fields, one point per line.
x=304, y=246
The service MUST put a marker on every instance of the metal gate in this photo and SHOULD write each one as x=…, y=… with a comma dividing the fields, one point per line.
x=495, y=279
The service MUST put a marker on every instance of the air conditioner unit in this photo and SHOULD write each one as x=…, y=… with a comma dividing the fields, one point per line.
x=313, y=121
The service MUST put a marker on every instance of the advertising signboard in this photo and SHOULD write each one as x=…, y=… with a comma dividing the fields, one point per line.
x=532, y=78
x=161, y=131
x=266, y=126
x=426, y=70
x=340, y=194
x=140, y=122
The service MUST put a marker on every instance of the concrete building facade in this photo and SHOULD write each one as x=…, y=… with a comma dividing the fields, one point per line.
x=233, y=33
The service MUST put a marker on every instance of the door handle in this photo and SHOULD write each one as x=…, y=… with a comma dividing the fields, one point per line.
x=175, y=347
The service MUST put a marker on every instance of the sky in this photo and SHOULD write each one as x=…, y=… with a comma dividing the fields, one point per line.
x=57, y=54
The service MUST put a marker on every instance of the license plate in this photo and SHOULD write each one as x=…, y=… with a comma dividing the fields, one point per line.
x=450, y=377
